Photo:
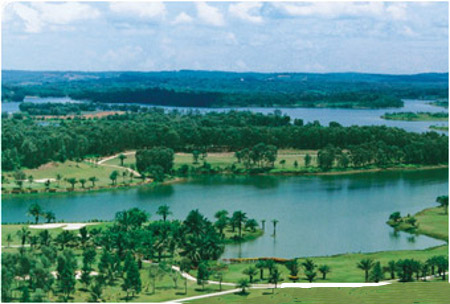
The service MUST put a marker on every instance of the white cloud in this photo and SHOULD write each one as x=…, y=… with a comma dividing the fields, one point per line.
x=397, y=11
x=139, y=9
x=182, y=18
x=332, y=9
x=39, y=14
x=209, y=14
x=246, y=11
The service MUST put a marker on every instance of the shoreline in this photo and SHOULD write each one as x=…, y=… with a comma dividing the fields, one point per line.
x=182, y=179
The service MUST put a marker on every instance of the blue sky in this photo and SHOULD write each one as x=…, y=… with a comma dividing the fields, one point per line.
x=373, y=37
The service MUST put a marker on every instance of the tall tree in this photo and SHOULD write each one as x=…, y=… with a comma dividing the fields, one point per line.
x=366, y=265
x=164, y=211
x=35, y=210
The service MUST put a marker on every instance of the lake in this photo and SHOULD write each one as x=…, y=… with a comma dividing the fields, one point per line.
x=318, y=215
x=345, y=117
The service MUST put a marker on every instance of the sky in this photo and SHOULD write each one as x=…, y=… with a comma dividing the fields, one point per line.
x=369, y=37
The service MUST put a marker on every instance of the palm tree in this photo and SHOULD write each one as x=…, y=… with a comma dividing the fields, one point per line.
x=443, y=201
x=366, y=265
x=263, y=224
x=72, y=181
x=261, y=264
x=221, y=213
x=251, y=224
x=9, y=239
x=243, y=283
x=82, y=182
x=218, y=275
x=24, y=233
x=164, y=211
x=391, y=268
x=122, y=157
x=47, y=184
x=49, y=216
x=324, y=269
x=275, y=277
x=239, y=218
x=275, y=222
x=30, y=180
x=59, y=178
x=113, y=176
x=310, y=275
x=35, y=210
x=251, y=272
x=93, y=179
x=124, y=174
x=221, y=224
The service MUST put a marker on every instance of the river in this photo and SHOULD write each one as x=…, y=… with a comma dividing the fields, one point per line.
x=318, y=215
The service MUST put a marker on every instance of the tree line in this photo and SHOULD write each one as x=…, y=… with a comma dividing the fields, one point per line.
x=27, y=143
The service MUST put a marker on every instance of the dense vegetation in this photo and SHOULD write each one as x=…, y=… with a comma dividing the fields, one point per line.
x=219, y=89
x=27, y=143
x=56, y=109
x=419, y=116
x=115, y=254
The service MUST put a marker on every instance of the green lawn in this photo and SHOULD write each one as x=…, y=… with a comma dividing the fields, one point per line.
x=407, y=293
x=433, y=222
x=68, y=169
x=343, y=267
x=419, y=116
x=227, y=159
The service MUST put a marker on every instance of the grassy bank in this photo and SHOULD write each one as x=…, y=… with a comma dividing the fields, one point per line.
x=433, y=293
x=419, y=116
x=439, y=128
x=59, y=175
x=432, y=222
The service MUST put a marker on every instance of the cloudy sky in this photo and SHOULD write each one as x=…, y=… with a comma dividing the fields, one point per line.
x=375, y=37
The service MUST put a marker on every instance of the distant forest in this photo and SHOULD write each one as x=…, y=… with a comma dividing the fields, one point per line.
x=226, y=89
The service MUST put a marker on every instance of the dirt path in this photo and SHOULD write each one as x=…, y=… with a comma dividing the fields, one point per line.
x=103, y=160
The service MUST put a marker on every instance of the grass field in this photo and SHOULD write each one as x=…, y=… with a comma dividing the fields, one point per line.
x=439, y=128
x=433, y=222
x=68, y=169
x=226, y=159
x=407, y=293
x=343, y=267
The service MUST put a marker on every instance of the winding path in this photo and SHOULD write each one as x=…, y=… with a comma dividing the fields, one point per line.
x=103, y=160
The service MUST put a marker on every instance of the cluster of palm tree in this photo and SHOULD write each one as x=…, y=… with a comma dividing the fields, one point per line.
x=127, y=243
x=36, y=211
x=405, y=269
x=238, y=220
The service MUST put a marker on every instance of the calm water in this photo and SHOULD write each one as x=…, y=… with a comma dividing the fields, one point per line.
x=346, y=117
x=319, y=215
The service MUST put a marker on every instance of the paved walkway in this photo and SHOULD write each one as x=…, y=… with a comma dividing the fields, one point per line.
x=101, y=163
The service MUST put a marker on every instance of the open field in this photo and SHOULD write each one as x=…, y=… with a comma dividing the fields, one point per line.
x=226, y=159
x=398, y=293
x=68, y=169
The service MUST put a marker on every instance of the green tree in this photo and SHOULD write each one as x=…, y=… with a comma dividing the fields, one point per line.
x=35, y=210
x=275, y=277
x=307, y=160
x=122, y=157
x=324, y=270
x=238, y=219
x=9, y=239
x=164, y=211
x=66, y=266
x=93, y=180
x=251, y=272
x=391, y=268
x=132, y=279
x=293, y=267
x=275, y=222
x=72, y=181
x=377, y=273
x=158, y=156
x=185, y=266
x=195, y=156
x=366, y=265
x=243, y=284
x=49, y=216
x=113, y=177
x=251, y=224
x=83, y=182
x=261, y=264
x=23, y=234
x=203, y=274
x=443, y=201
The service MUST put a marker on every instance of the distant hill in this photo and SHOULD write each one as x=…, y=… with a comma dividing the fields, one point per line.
x=219, y=89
